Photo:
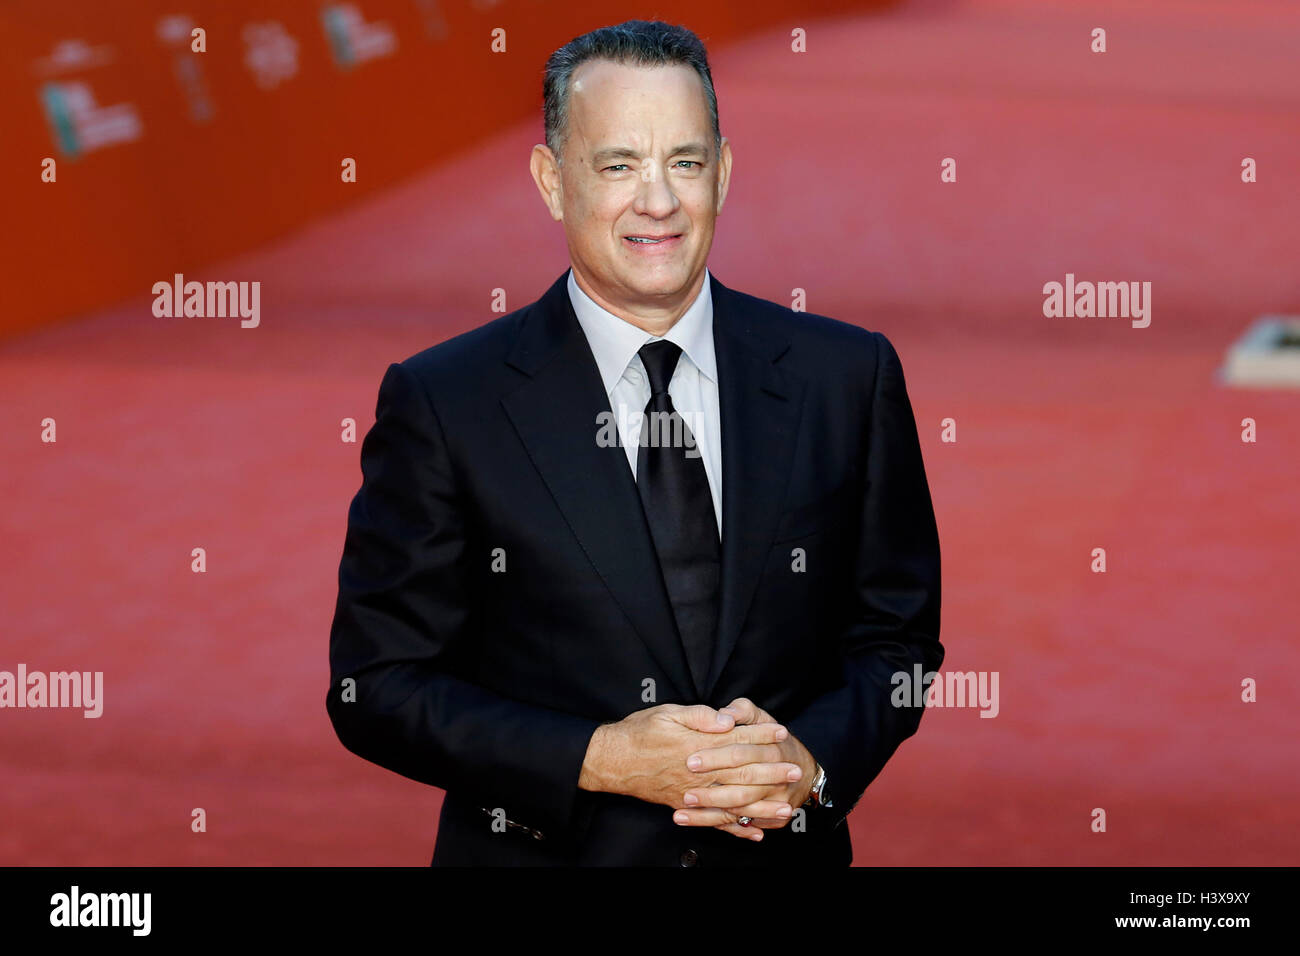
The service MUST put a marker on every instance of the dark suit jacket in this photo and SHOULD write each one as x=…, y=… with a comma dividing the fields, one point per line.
x=499, y=594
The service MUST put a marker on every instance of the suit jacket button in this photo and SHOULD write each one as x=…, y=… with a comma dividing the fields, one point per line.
x=690, y=858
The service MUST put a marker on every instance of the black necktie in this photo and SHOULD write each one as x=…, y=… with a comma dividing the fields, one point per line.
x=679, y=509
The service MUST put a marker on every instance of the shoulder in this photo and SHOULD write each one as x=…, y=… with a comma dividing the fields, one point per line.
x=468, y=355
x=468, y=371
x=817, y=343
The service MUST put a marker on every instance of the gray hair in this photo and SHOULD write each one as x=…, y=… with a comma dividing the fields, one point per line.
x=635, y=42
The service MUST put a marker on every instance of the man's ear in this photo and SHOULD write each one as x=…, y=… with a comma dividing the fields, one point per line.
x=724, y=172
x=546, y=174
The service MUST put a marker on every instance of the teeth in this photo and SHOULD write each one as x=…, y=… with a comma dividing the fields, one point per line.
x=640, y=239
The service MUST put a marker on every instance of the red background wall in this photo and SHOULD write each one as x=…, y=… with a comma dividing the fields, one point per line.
x=185, y=193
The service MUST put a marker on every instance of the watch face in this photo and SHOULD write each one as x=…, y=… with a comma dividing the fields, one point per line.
x=818, y=794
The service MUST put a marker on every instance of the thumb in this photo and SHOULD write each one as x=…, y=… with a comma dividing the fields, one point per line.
x=705, y=719
x=745, y=711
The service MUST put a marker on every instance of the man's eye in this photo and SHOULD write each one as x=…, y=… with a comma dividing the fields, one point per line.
x=622, y=166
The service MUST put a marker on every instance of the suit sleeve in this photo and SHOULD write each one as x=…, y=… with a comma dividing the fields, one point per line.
x=855, y=728
x=404, y=612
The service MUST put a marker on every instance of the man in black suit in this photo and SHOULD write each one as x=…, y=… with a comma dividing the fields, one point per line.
x=631, y=568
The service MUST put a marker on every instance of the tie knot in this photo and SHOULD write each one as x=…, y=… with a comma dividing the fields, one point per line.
x=660, y=359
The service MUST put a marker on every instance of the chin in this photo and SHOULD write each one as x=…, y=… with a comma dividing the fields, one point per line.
x=663, y=283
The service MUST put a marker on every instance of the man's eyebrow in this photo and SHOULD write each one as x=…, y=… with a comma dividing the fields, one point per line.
x=694, y=149
x=615, y=152
x=627, y=152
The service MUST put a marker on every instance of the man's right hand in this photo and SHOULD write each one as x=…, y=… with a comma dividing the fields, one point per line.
x=644, y=754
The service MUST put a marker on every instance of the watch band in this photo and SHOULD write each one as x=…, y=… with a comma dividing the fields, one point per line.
x=817, y=796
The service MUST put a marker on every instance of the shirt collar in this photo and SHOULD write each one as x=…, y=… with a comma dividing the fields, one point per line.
x=615, y=341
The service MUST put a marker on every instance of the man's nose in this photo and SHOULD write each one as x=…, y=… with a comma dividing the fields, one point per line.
x=655, y=196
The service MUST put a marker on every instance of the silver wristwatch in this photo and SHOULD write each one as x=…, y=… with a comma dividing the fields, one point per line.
x=817, y=796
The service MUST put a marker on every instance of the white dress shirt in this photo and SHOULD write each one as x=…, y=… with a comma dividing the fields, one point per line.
x=694, y=386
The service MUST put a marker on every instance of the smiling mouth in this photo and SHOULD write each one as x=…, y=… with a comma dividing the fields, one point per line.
x=652, y=240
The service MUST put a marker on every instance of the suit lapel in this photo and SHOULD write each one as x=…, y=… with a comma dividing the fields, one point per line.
x=760, y=406
x=555, y=414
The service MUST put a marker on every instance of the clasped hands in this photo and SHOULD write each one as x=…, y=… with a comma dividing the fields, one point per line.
x=711, y=766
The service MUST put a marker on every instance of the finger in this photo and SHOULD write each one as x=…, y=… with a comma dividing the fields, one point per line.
x=767, y=813
x=770, y=808
x=705, y=719
x=755, y=824
x=750, y=832
x=768, y=732
x=757, y=774
x=715, y=816
x=704, y=817
x=747, y=712
x=733, y=755
x=726, y=797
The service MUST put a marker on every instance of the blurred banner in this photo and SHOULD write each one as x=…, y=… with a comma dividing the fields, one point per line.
x=147, y=138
